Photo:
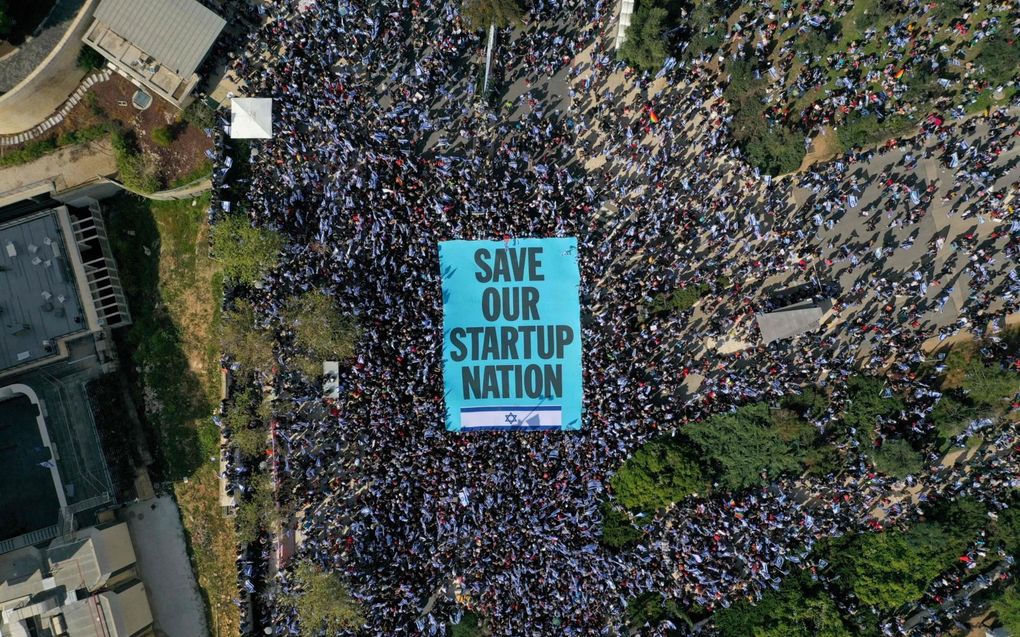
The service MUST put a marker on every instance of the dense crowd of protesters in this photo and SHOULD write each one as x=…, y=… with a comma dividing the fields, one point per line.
x=381, y=150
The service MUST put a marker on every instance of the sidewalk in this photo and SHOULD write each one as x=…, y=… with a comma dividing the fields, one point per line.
x=70, y=167
x=164, y=567
x=46, y=88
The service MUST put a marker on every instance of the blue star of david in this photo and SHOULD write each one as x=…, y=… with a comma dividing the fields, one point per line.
x=511, y=418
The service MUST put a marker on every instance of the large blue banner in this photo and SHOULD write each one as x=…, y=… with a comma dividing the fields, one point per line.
x=511, y=334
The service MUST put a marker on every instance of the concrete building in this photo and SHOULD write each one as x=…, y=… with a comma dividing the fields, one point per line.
x=58, y=281
x=158, y=44
x=81, y=585
x=60, y=299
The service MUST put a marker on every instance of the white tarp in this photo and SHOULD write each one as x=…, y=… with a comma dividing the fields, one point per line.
x=251, y=118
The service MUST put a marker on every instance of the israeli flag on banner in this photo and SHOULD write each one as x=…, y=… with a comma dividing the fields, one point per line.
x=522, y=417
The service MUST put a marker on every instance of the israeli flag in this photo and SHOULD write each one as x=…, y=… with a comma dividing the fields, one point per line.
x=520, y=417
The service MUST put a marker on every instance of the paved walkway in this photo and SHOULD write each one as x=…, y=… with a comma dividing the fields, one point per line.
x=164, y=567
x=17, y=66
x=70, y=167
x=37, y=96
x=58, y=117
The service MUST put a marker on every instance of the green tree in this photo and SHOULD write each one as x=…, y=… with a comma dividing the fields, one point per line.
x=645, y=46
x=257, y=511
x=651, y=609
x=470, y=626
x=951, y=415
x=659, y=473
x=989, y=385
x=617, y=529
x=810, y=403
x=743, y=446
x=163, y=136
x=679, y=300
x=1007, y=609
x=323, y=602
x=321, y=331
x=892, y=568
x=800, y=608
x=859, y=131
x=199, y=114
x=999, y=58
x=479, y=14
x=248, y=430
x=247, y=253
x=867, y=403
x=249, y=345
x=770, y=146
x=89, y=59
x=897, y=458
x=1006, y=530
x=707, y=26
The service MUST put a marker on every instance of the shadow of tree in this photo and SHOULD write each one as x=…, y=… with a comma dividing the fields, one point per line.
x=152, y=350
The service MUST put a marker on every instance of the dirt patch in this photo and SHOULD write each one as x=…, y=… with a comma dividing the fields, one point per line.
x=186, y=153
x=823, y=147
x=110, y=101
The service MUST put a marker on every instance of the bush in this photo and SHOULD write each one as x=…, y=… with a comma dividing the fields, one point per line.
x=89, y=59
x=897, y=458
x=83, y=136
x=29, y=152
x=247, y=253
x=130, y=164
x=659, y=473
x=199, y=114
x=645, y=46
x=163, y=136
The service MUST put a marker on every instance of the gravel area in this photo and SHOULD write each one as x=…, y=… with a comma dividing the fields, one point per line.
x=17, y=67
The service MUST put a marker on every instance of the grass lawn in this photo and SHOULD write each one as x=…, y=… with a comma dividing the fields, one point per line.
x=173, y=289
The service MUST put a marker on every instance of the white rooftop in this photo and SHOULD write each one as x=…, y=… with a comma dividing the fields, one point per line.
x=251, y=118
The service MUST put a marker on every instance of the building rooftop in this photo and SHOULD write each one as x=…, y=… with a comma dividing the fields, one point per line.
x=790, y=321
x=29, y=496
x=84, y=585
x=176, y=33
x=38, y=297
x=87, y=558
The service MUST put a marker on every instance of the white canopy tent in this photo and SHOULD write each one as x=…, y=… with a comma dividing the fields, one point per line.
x=251, y=118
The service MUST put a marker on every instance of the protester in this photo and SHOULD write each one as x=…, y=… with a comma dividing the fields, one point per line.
x=381, y=151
